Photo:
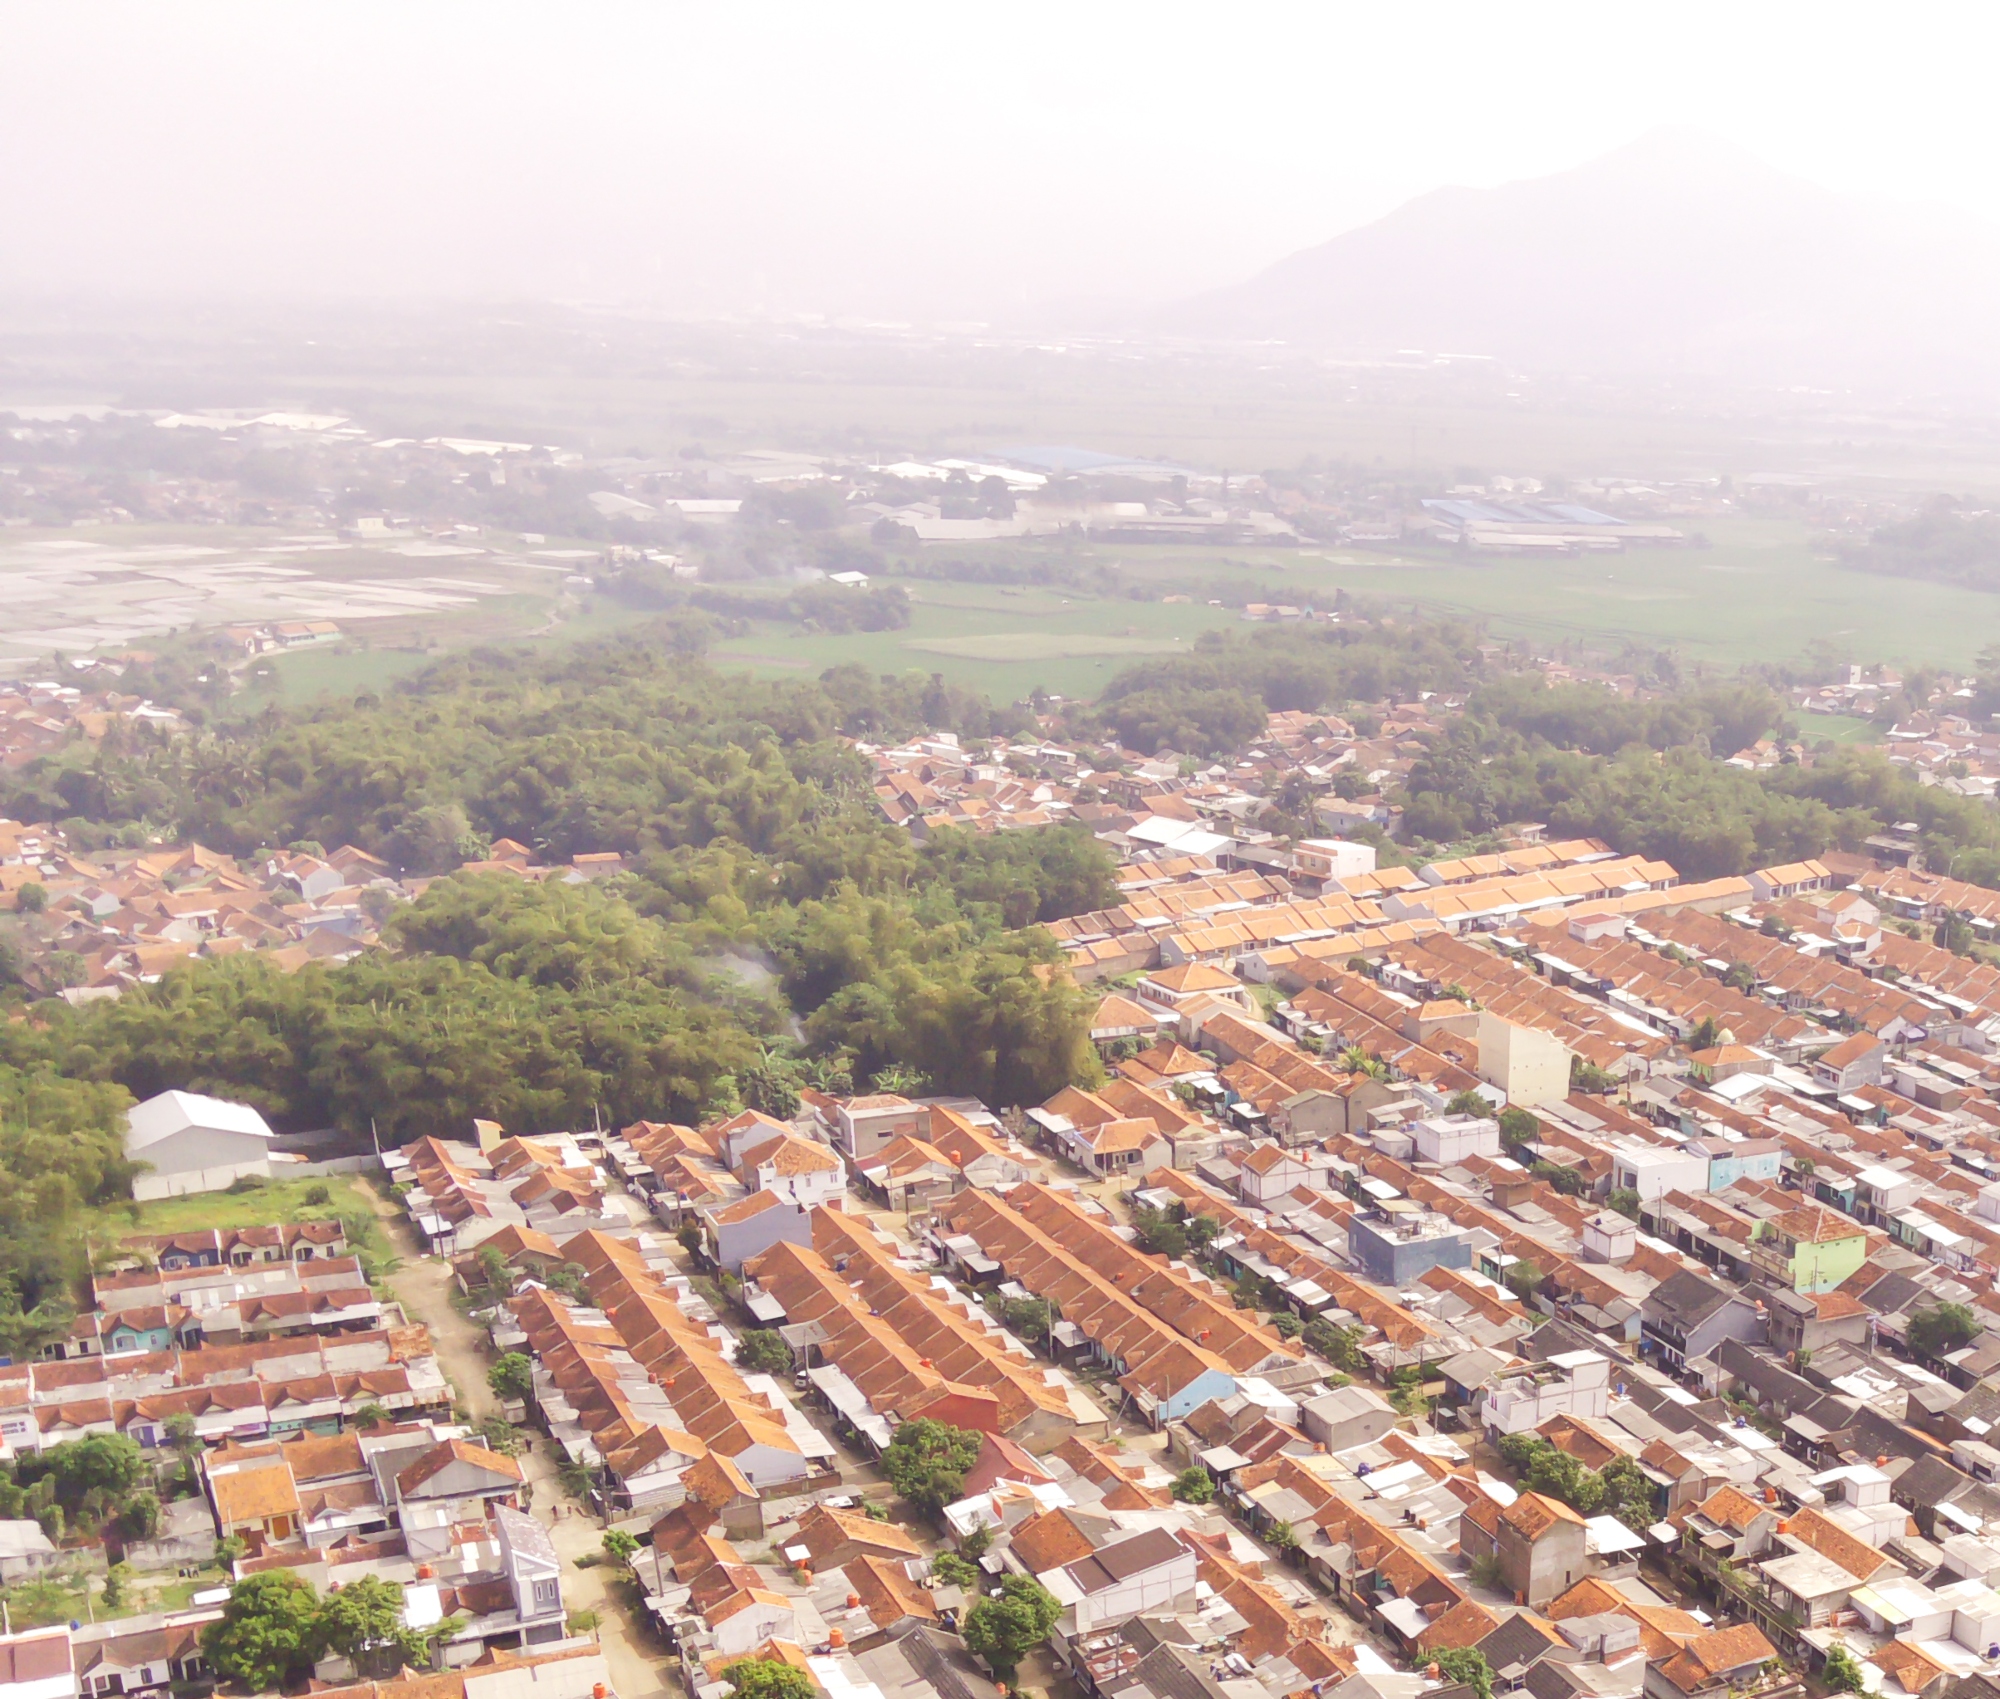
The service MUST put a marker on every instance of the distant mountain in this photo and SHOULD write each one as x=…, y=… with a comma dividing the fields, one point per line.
x=1676, y=254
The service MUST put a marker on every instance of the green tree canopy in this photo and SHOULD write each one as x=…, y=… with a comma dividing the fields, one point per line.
x=363, y=1622
x=1942, y=1329
x=927, y=1462
x=269, y=1631
x=761, y=1350
x=766, y=1678
x=512, y=1376
x=1466, y=1665
x=1005, y=1629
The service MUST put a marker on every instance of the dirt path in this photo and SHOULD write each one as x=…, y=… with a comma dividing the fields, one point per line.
x=424, y=1284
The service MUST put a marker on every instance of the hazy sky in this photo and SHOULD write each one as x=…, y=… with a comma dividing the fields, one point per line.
x=935, y=160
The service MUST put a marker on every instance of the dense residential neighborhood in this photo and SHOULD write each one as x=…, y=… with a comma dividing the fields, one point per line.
x=1531, y=1255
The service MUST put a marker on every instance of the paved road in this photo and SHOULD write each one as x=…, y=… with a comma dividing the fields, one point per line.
x=424, y=1284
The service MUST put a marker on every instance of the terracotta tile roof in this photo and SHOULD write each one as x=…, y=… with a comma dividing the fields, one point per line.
x=1121, y=1135
x=1836, y=1306
x=1049, y=1541
x=744, y=1209
x=831, y=1535
x=1663, y=1631
x=1834, y=1543
x=1707, y=1657
x=1484, y=1513
x=789, y=1156
x=887, y=1594
x=1814, y=1225
x=254, y=1494
x=456, y=1451
x=1119, y=1014
x=1466, y=1624
x=1910, y=1664
x=1534, y=1514
x=1728, y=1508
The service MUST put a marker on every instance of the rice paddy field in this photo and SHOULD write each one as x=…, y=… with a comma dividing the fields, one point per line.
x=1758, y=592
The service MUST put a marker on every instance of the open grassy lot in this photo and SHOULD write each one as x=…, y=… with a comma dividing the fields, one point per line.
x=262, y=1206
x=75, y=1593
x=308, y=673
x=1005, y=641
x=1838, y=728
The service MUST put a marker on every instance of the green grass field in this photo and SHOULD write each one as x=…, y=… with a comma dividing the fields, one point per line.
x=1838, y=728
x=1005, y=642
x=263, y=1206
x=1757, y=593
x=280, y=1200
x=308, y=673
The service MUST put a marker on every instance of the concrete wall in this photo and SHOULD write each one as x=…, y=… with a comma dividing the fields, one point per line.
x=1530, y=1066
x=1543, y=1569
x=738, y=1241
x=182, y=1182
x=1397, y=1262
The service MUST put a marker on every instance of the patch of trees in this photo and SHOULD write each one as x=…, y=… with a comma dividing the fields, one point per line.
x=275, y=1627
x=1006, y=1627
x=1619, y=1489
x=99, y=1483
x=762, y=1350
x=630, y=744
x=1028, y=876
x=1721, y=718
x=1213, y=701
x=927, y=1463
x=767, y=1678
x=1942, y=1329
x=750, y=827
x=1707, y=818
x=1174, y=1232
x=62, y=1150
x=1940, y=542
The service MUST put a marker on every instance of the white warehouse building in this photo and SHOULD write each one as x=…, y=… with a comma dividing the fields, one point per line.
x=193, y=1143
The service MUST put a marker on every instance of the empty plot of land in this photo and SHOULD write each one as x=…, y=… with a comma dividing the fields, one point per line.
x=1041, y=645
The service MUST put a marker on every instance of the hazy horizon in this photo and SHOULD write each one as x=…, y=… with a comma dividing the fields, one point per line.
x=902, y=163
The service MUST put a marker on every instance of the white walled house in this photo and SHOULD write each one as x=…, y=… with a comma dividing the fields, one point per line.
x=1269, y=1172
x=1150, y=1571
x=1450, y=1139
x=1574, y=1383
x=1609, y=1237
x=193, y=1143
x=797, y=1170
x=1655, y=1170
